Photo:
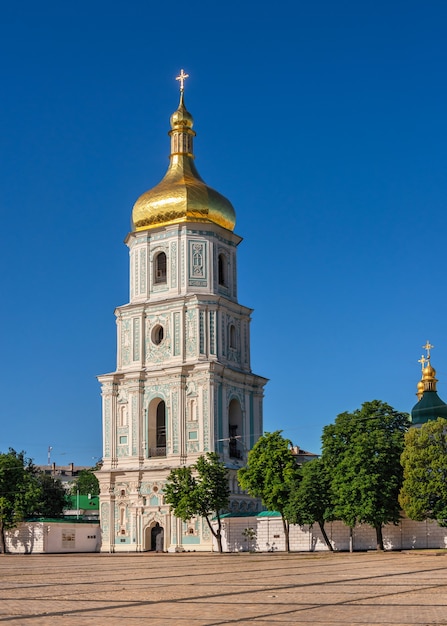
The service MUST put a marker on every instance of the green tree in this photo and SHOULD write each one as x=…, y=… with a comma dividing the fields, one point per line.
x=200, y=490
x=19, y=491
x=52, y=496
x=271, y=474
x=424, y=459
x=86, y=483
x=363, y=451
x=311, y=501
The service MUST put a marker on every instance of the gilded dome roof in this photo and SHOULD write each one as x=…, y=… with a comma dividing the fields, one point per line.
x=182, y=195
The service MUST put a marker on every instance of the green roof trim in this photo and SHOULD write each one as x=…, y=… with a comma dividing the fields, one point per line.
x=226, y=515
x=70, y=519
x=269, y=514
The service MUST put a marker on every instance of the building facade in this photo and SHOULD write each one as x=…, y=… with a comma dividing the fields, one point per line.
x=183, y=384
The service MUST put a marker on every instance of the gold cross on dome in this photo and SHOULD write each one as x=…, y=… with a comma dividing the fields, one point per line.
x=182, y=77
x=422, y=361
x=428, y=347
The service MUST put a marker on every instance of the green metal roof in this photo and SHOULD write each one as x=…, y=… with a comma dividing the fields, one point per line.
x=83, y=502
x=429, y=407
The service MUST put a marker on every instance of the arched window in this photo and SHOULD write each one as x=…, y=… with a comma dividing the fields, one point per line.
x=235, y=429
x=222, y=270
x=160, y=269
x=232, y=336
x=156, y=428
x=161, y=425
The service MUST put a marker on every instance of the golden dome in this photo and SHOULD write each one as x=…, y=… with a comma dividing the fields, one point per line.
x=428, y=373
x=420, y=389
x=182, y=196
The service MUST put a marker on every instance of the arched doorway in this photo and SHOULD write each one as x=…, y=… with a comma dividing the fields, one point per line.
x=154, y=538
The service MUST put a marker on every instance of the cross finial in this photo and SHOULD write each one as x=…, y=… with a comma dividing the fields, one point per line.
x=181, y=77
x=422, y=361
x=428, y=347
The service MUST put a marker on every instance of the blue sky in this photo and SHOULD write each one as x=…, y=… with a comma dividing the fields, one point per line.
x=325, y=125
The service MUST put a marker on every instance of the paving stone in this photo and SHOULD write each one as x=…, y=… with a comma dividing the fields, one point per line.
x=393, y=589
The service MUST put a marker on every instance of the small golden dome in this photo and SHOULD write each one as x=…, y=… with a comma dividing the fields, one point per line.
x=182, y=196
x=181, y=117
x=428, y=372
x=420, y=389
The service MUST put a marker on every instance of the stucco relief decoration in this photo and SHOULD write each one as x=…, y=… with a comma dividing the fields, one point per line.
x=206, y=421
x=154, y=516
x=182, y=264
x=191, y=333
x=155, y=390
x=136, y=339
x=206, y=533
x=175, y=433
x=223, y=343
x=176, y=334
x=173, y=256
x=212, y=332
x=191, y=527
x=134, y=425
x=191, y=388
x=159, y=350
x=145, y=488
x=235, y=392
x=192, y=447
x=136, y=266
x=197, y=260
x=197, y=266
x=125, y=342
x=105, y=519
x=234, y=275
x=107, y=427
x=143, y=271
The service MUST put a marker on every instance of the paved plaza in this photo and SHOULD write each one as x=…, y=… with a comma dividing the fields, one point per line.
x=211, y=589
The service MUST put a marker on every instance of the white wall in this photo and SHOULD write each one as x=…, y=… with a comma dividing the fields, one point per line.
x=56, y=537
x=270, y=536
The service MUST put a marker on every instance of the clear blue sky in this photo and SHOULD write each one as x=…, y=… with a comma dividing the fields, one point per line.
x=325, y=125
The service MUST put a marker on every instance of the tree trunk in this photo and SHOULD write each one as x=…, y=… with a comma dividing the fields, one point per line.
x=379, y=536
x=2, y=539
x=285, y=525
x=325, y=537
x=216, y=533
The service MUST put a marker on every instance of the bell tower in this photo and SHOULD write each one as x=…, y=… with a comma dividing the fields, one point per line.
x=183, y=384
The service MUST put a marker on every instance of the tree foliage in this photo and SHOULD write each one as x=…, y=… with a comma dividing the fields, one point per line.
x=363, y=450
x=311, y=502
x=25, y=492
x=424, y=459
x=86, y=483
x=271, y=474
x=200, y=490
x=52, y=496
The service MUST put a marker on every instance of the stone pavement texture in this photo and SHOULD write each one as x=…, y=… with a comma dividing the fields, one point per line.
x=193, y=589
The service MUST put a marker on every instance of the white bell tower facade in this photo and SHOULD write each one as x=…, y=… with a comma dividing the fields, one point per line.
x=183, y=384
